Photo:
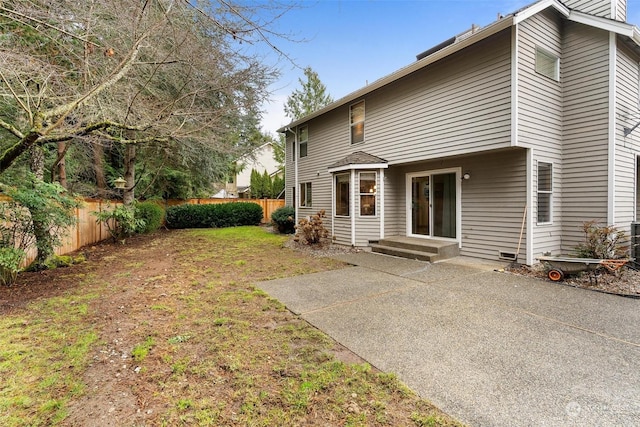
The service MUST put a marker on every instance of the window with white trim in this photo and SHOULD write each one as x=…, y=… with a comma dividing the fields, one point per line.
x=303, y=139
x=368, y=192
x=356, y=118
x=342, y=191
x=547, y=64
x=545, y=192
x=305, y=194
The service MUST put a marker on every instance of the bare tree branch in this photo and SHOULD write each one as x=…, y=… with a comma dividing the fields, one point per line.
x=11, y=128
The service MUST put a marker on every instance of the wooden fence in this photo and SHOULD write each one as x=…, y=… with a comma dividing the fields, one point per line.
x=87, y=231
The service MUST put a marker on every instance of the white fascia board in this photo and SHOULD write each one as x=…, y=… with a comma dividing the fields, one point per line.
x=539, y=7
x=359, y=166
x=482, y=34
x=636, y=35
x=611, y=25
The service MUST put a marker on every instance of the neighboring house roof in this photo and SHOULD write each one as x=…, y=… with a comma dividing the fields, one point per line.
x=630, y=34
x=359, y=158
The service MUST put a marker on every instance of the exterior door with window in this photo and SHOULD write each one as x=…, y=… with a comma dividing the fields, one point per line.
x=433, y=204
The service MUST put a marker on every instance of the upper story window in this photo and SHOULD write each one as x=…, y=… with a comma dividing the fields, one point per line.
x=303, y=139
x=545, y=192
x=547, y=64
x=356, y=114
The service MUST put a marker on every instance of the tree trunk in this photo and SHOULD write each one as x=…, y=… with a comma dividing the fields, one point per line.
x=62, y=167
x=36, y=161
x=98, y=167
x=129, y=174
x=40, y=230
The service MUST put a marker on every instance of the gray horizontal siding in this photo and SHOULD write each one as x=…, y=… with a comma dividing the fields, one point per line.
x=594, y=7
x=539, y=97
x=458, y=105
x=621, y=10
x=289, y=173
x=627, y=148
x=394, y=202
x=585, y=130
x=342, y=231
x=540, y=126
x=493, y=200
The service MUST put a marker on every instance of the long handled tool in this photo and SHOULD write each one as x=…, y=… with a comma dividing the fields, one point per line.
x=524, y=217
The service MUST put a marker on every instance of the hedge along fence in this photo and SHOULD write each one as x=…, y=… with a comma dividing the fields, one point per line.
x=87, y=231
x=268, y=205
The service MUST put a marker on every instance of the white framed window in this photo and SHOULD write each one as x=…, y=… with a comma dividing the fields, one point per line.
x=342, y=184
x=545, y=192
x=368, y=193
x=356, y=119
x=303, y=139
x=547, y=64
x=305, y=195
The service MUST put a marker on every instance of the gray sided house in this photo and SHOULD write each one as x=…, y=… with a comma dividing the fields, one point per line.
x=508, y=136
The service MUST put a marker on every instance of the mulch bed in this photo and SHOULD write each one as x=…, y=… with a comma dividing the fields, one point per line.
x=625, y=282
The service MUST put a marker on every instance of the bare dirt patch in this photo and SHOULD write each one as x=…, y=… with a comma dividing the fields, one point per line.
x=183, y=337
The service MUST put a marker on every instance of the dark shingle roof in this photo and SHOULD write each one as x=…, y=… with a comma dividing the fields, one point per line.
x=358, y=158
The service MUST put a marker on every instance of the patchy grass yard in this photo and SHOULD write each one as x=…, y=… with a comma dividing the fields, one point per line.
x=170, y=330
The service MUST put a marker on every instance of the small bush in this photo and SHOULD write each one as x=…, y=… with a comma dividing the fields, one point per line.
x=214, y=215
x=10, y=260
x=151, y=213
x=284, y=220
x=602, y=242
x=312, y=230
x=121, y=221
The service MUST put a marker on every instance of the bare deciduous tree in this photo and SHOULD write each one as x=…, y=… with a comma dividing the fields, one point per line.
x=126, y=71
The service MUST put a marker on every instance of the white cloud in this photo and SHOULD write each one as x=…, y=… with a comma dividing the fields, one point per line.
x=274, y=117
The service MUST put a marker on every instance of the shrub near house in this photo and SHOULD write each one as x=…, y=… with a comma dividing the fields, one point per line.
x=284, y=220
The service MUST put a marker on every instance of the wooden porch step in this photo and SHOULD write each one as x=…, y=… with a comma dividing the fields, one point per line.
x=421, y=249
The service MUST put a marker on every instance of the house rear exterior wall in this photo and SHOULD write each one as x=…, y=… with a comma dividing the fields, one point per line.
x=621, y=10
x=493, y=200
x=455, y=106
x=289, y=172
x=585, y=74
x=323, y=149
x=540, y=119
x=594, y=7
x=627, y=147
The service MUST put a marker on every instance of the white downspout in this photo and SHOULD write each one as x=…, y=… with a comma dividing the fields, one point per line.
x=381, y=195
x=333, y=207
x=294, y=153
x=353, y=207
x=611, y=190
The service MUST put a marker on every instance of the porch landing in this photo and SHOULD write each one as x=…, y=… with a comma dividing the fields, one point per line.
x=421, y=249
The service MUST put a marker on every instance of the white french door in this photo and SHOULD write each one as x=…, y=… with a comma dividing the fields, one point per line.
x=433, y=204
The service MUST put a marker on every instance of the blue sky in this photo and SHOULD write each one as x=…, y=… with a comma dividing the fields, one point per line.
x=350, y=43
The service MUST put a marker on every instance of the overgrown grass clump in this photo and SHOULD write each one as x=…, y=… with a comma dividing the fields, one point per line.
x=214, y=215
x=43, y=354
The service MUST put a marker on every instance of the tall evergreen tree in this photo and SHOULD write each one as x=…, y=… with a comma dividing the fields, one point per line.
x=311, y=97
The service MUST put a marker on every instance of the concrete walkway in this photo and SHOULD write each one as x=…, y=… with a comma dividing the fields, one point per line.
x=489, y=348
